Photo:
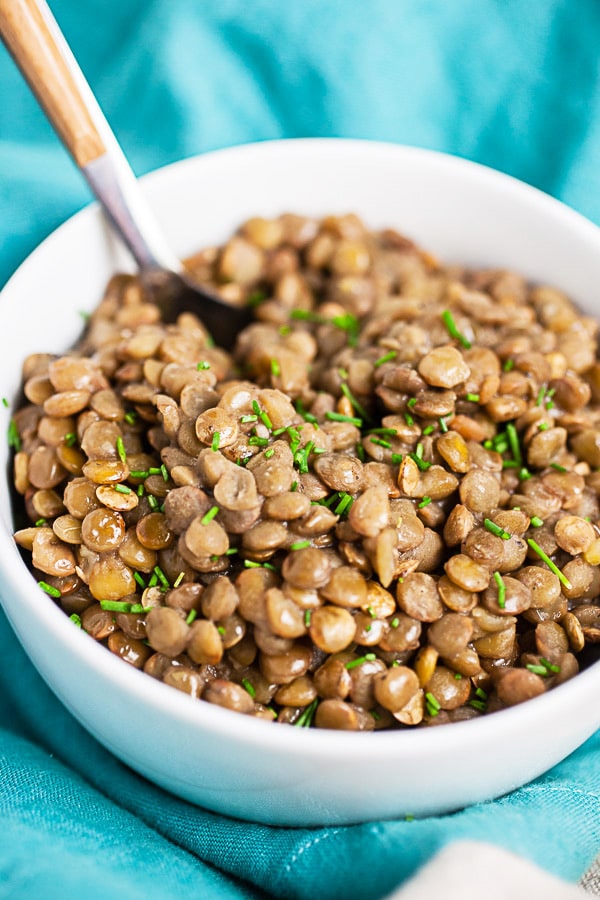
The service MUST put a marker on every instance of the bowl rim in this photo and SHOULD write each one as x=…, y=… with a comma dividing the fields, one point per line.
x=348, y=746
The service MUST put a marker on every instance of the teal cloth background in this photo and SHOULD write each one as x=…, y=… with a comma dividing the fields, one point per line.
x=514, y=85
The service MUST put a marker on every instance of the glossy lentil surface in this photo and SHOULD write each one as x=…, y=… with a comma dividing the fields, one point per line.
x=381, y=512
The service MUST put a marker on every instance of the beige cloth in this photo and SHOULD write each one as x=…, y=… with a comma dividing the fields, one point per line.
x=468, y=870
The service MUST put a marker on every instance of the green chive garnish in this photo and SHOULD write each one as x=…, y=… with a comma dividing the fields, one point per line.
x=256, y=441
x=115, y=606
x=122, y=489
x=394, y=623
x=275, y=367
x=433, y=706
x=162, y=577
x=245, y=420
x=269, y=453
x=536, y=522
x=443, y=425
x=307, y=617
x=344, y=504
x=139, y=580
x=412, y=402
x=409, y=420
x=216, y=440
x=380, y=442
x=429, y=429
x=396, y=459
x=355, y=403
x=75, y=619
x=249, y=687
x=339, y=417
x=480, y=705
x=513, y=441
x=49, y=589
x=368, y=657
x=191, y=616
x=557, y=467
x=299, y=545
x=473, y=398
x=552, y=566
x=388, y=357
x=121, y=449
x=203, y=365
x=5, y=402
x=152, y=502
x=14, y=439
x=501, y=590
x=496, y=529
x=130, y=417
x=424, y=502
x=209, y=516
x=453, y=330
x=543, y=426
x=509, y=364
x=70, y=439
x=306, y=718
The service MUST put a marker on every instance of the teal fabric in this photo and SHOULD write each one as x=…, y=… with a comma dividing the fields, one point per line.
x=510, y=84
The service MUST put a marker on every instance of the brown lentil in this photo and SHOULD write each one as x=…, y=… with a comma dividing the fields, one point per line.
x=333, y=525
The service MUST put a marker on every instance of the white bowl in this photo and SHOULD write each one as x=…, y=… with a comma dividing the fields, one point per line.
x=224, y=761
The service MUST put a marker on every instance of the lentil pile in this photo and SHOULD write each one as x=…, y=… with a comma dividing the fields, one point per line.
x=382, y=511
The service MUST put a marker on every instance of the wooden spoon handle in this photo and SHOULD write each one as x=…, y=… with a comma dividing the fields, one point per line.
x=33, y=38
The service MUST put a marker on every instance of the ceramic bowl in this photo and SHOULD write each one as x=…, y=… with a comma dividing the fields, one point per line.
x=221, y=760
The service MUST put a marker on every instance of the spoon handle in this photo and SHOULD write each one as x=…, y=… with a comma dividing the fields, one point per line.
x=32, y=36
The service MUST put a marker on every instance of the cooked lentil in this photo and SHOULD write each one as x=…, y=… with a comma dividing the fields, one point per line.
x=381, y=511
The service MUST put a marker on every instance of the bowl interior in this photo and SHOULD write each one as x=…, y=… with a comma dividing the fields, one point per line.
x=455, y=209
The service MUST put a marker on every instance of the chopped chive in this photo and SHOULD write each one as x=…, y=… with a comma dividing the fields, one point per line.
x=14, y=439
x=256, y=298
x=284, y=330
x=191, y=616
x=552, y=566
x=457, y=676
x=433, y=706
x=501, y=590
x=39, y=522
x=508, y=365
x=524, y=474
x=216, y=440
x=139, y=473
x=536, y=522
x=153, y=580
x=537, y=670
x=122, y=489
x=557, y=467
x=380, y=442
x=453, y=330
x=368, y=657
x=70, y=439
x=140, y=490
x=152, y=502
x=269, y=453
x=479, y=705
x=360, y=451
x=388, y=357
x=390, y=432
x=161, y=577
x=481, y=693
x=256, y=441
x=339, y=417
x=154, y=470
x=307, y=315
x=395, y=622
x=256, y=407
x=264, y=417
x=344, y=504
x=293, y=486
x=221, y=629
x=121, y=449
x=209, y=516
x=245, y=420
x=355, y=403
x=422, y=464
x=307, y=617
x=75, y=619
x=513, y=441
x=396, y=459
x=543, y=426
x=139, y=580
x=443, y=425
x=473, y=398
x=5, y=402
x=371, y=612
x=49, y=589
x=250, y=564
x=412, y=403
x=164, y=472
x=424, y=502
x=139, y=608
x=540, y=396
x=306, y=415
x=203, y=365
x=496, y=529
x=548, y=665
x=429, y=429
x=510, y=464
x=130, y=417
x=249, y=687
x=305, y=719
x=179, y=579
x=275, y=367
x=232, y=551
x=299, y=545
x=409, y=420
x=115, y=606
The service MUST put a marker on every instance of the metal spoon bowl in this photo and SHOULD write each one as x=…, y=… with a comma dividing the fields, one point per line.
x=32, y=36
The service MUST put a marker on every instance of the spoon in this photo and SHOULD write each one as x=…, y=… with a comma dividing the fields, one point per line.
x=33, y=38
